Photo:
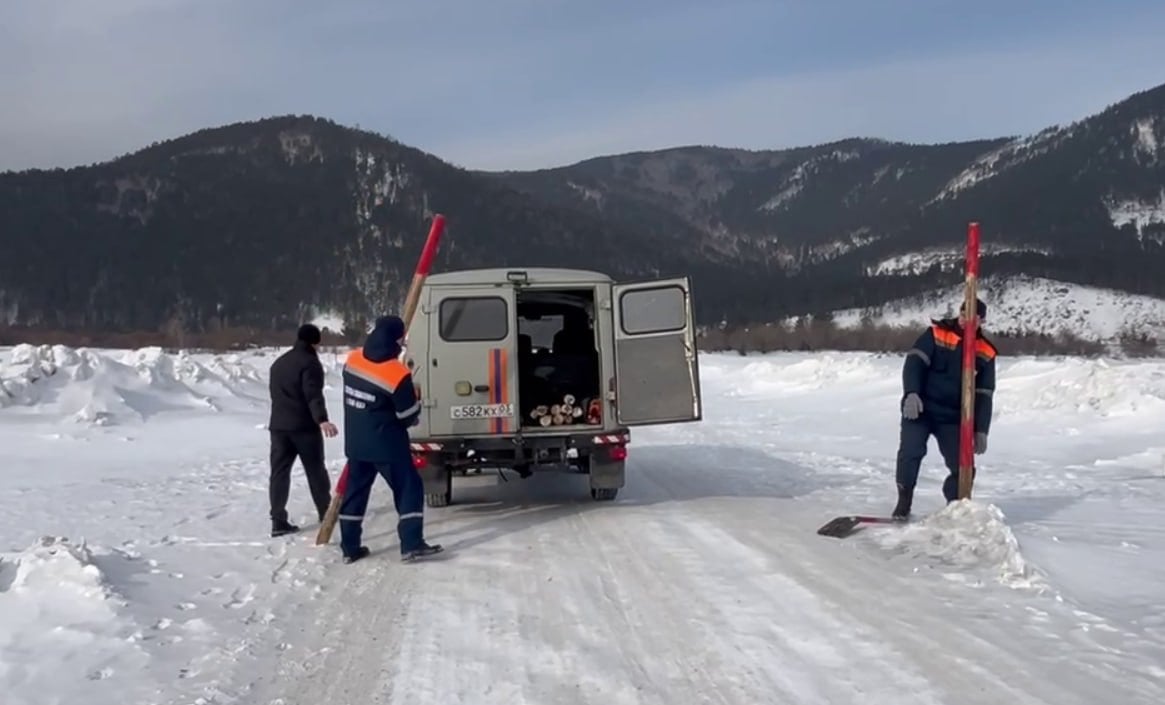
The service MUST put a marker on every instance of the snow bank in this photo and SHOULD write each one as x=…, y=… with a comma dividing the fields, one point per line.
x=54, y=603
x=970, y=537
x=770, y=375
x=1101, y=388
x=108, y=388
x=1098, y=387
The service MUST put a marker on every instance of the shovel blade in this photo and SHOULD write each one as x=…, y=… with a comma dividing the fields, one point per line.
x=839, y=527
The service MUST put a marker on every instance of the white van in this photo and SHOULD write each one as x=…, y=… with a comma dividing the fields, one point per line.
x=535, y=369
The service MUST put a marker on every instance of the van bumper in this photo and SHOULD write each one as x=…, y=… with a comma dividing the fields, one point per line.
x=533, y=452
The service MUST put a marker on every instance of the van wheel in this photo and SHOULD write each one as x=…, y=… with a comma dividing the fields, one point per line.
x=604, y=494
x=441, y=499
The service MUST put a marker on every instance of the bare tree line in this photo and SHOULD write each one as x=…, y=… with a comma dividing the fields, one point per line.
x=825, y=334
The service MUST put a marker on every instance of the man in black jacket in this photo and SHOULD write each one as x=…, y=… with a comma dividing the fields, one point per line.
x=299, y=421
x=932, y=392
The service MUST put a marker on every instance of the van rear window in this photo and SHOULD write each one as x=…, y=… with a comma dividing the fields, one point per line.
x=479, y=318
x=657, y=310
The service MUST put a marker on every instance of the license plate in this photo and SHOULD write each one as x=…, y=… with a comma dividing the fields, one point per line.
x=482, y=411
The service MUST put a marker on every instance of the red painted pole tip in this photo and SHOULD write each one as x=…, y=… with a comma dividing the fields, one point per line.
x=430, y=249
x=973, y=248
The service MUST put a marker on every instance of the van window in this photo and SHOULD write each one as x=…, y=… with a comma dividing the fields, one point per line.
x=467, y=319
x=657, y=310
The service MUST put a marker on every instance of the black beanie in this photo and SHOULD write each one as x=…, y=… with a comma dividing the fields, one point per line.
x=980, y=308
x=308, y=334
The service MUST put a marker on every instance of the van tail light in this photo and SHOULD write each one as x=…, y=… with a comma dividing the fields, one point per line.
x=424, y=453
x=618, y=452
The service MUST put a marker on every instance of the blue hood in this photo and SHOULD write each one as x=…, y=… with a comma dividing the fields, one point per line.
x=381, y=344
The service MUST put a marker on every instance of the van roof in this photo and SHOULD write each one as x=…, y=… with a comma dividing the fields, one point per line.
x=497, y=275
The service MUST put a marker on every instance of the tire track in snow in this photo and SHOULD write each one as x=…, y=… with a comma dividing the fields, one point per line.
x=599, y=604
x=980, y=647
x=769, y=634
x=701, y=598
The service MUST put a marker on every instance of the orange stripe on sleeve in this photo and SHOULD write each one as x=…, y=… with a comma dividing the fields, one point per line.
x=985, y=349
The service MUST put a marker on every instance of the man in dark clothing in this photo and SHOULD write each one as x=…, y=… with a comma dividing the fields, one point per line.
x=380, y=404
x=299, y=420
x=932, y=380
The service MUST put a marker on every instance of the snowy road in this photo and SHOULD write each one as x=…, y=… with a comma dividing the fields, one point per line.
x=699, y=597
x=703, y=583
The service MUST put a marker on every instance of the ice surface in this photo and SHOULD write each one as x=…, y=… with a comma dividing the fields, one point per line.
x=704, y=581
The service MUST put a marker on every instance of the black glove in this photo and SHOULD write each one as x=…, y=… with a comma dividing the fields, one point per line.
x=980, y=443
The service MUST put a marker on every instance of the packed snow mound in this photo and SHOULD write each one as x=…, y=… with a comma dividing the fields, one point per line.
x=777, y=376
x=971, y=538
x=54, y=602
x=53, y=564
x=225, y=373
x=1100, y=387
x=108, y=388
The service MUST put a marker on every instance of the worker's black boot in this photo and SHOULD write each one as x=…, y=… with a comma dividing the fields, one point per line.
x=281, y=528
x=905, y=499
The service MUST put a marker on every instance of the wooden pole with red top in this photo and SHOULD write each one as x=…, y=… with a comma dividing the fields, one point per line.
x=970, y=343
x=328, y=525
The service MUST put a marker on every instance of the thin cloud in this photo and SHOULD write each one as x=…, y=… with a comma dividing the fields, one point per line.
x=951, y=99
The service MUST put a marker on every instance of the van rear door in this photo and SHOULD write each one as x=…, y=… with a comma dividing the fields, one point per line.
x=472, y=367
x=657, y=377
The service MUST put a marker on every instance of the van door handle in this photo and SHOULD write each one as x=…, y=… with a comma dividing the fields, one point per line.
x=481, y=387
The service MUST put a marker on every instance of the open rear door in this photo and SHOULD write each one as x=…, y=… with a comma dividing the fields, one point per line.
x=657, y=377
x=472, y=366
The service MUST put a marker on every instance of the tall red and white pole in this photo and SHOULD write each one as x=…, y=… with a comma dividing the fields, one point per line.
x=970, y=334
x=428, y=253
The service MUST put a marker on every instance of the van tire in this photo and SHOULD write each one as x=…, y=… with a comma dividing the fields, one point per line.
x=604, y=494
x=442, y=499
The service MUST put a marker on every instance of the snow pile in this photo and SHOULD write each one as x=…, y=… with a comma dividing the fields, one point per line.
x=226, y=374
x=54, y=604
x=766, y=377
x=1098, y=387
x=971, y=538
x=101, y=389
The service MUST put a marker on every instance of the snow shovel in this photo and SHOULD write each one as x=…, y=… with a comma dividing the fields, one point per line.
x=840, y=527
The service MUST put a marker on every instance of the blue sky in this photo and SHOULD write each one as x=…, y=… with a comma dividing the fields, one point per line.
x=522, y=84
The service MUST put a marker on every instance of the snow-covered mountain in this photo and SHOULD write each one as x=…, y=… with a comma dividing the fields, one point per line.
x=267, y=223
x=1022, y=304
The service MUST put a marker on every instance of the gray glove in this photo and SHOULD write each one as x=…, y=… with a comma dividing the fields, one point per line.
x=911, y=406
x=980, y=443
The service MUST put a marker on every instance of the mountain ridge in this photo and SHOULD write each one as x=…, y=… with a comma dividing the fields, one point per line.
x=261, y=222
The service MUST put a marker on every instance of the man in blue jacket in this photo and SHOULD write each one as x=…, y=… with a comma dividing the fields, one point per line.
x=380, y=404
x=932, y=381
